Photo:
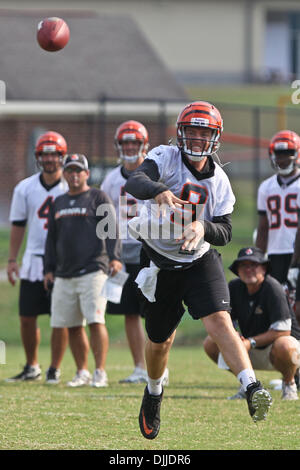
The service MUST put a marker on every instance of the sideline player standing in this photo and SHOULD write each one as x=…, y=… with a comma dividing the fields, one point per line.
x=131, y=142
x=276, y=204
x=30, y=206
x=184, y=268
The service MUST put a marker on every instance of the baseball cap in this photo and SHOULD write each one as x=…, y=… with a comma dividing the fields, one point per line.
x=250, y=254
x=76, y=159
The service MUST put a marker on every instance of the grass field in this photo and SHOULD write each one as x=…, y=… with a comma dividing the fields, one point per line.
x=196, y=414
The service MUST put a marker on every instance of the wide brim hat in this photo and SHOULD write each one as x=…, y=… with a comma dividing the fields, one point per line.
x=250, y=254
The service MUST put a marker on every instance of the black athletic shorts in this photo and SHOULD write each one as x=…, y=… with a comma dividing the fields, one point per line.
x=130, y=300
x=202, y=288
x=280, y=265
x=34, y=300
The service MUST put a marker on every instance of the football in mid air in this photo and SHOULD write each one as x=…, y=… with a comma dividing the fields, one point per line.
x=53, y=34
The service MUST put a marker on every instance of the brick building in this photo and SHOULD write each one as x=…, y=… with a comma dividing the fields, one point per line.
x=106, y=74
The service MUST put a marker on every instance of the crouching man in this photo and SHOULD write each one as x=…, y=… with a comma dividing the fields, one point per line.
x=266, y=322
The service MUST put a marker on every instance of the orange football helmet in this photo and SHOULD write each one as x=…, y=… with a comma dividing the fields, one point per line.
x=285, y=144
x=133, y=131
x=50, y=142
x=204, y=115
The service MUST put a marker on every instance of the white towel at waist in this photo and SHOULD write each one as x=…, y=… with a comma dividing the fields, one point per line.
x=146, y=281
x=32, y=267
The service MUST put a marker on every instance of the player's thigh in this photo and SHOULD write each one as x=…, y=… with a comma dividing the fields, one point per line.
x=163, y=316
x=206, y=289
x=280, y=265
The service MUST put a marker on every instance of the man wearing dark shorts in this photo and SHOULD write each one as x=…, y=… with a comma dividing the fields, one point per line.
x=131, y=142
x=188, y=206
x=30, y=206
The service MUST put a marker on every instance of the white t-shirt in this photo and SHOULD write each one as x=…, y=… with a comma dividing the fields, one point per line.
x=127, y=208
x=31, y=202
x=279, y=201
x=213, y=196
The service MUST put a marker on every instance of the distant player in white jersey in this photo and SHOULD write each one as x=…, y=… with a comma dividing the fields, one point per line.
x=30, y=205
x=131, y=142
x=183, y=186
x=277, y=204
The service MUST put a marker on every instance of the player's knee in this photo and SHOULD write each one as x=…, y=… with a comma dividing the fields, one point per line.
x=283, y=348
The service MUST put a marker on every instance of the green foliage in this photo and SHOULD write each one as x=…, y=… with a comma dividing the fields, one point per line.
x=254, y=95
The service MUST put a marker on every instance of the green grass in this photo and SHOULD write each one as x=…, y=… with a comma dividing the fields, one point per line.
x=196, y=414
x=254, y=95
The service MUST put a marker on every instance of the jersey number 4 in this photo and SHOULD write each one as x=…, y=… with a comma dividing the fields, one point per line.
x=43, y=211
x=275, y=206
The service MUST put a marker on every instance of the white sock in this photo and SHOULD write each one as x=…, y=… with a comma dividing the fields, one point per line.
x=246, y=377
x=155, y=385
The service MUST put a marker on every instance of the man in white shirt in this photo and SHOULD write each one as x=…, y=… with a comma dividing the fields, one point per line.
x=277, y=204
x=131, y=142
x=32, y=198
x=188, y=206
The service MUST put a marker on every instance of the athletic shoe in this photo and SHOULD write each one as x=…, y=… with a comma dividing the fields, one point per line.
x=138, y=376
x=165, y=381
x=240, y=395
x=28, y=373
x=81, y=378
x=289, y=391
x=99, y=379
x=149, y=417
x=276, y=384
x=52, y=376
x=259, y=401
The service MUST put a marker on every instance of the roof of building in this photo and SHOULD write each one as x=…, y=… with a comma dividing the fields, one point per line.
x=107, y=55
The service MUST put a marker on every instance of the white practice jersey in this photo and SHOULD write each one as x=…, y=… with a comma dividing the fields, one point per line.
x=31, y=202
x=127, y=208
x=213, y=196
x=279, y=202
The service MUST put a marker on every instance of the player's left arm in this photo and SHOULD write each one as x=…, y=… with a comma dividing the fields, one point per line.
x=262, y=232
x=218, y=232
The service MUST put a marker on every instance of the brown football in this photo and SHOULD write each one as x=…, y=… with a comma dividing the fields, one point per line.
x=53, y=34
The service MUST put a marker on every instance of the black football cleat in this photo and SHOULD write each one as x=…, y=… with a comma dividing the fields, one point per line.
x=259, y=401
x=28, y=373
x=149, y=418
